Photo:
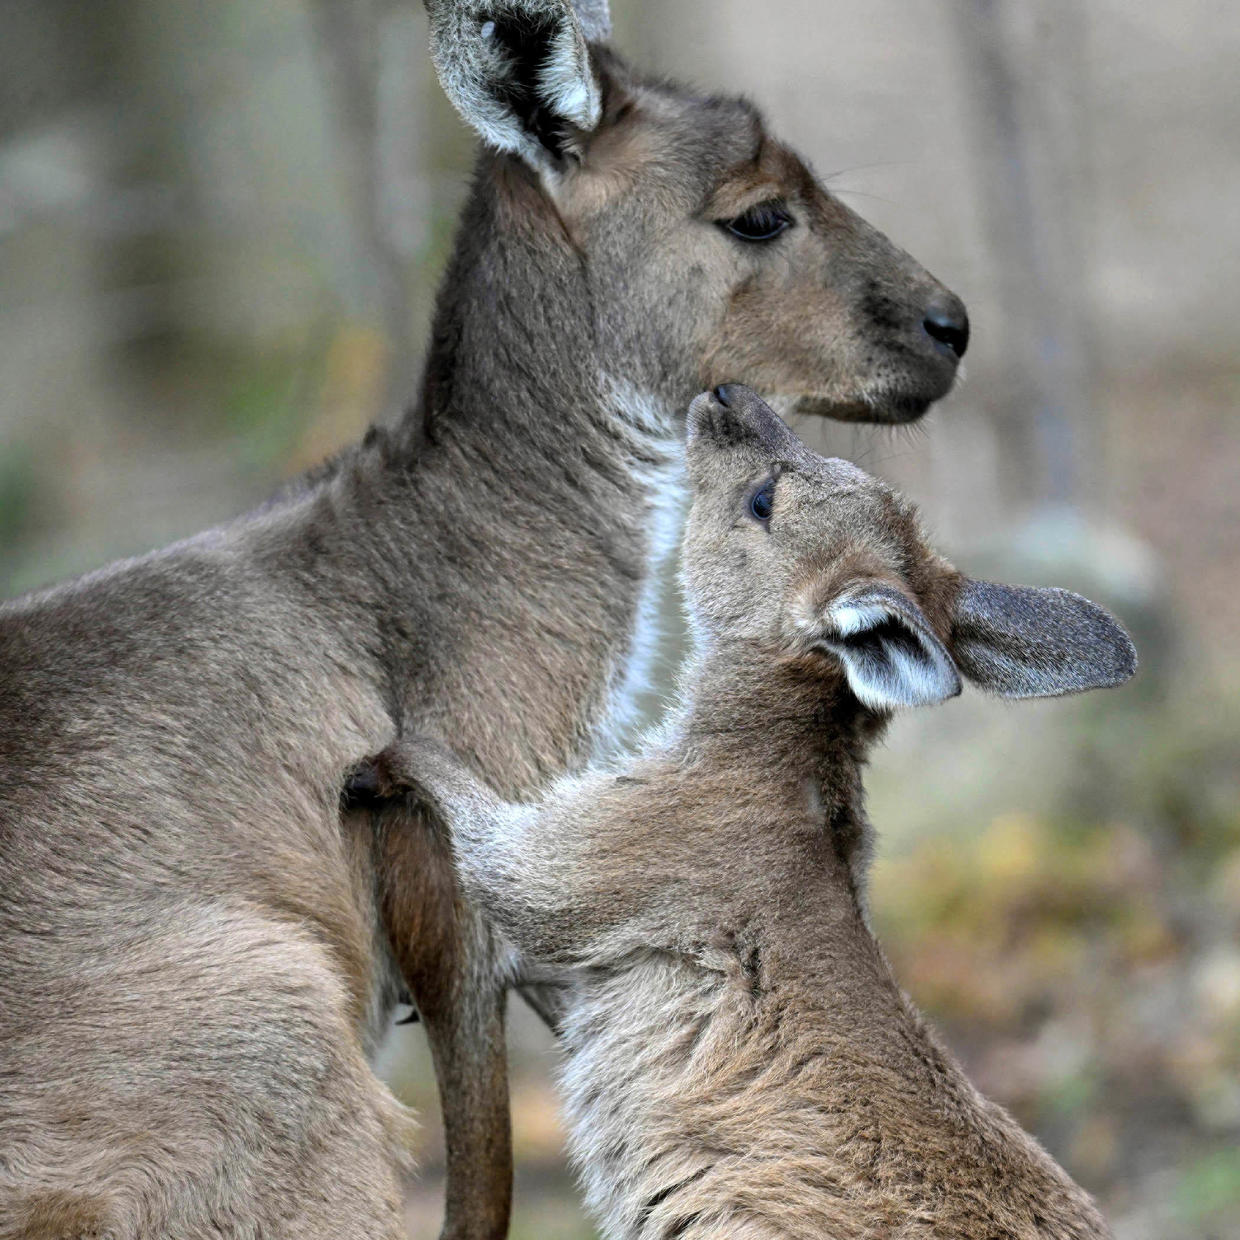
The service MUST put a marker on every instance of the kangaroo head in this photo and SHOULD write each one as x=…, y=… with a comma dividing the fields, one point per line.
x=818, y=558
x=700, y=246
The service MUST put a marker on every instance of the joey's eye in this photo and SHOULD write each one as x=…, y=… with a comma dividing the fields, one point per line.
x=761, y=500
x=761, y=223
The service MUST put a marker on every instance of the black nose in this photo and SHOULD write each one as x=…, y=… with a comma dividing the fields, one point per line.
x=947, y=324
x=723, y=394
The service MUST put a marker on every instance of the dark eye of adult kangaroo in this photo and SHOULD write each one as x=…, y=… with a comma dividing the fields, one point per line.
x=201, y=951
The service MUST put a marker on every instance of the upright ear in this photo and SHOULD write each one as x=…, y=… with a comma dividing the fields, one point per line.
x=519, y=71
x=1023, y=641
x=595, y=19
x=886, y=646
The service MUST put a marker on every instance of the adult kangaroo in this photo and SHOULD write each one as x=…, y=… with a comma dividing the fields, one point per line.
x=200, y=953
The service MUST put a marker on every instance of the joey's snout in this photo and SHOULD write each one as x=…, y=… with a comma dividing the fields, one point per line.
x=732, y=415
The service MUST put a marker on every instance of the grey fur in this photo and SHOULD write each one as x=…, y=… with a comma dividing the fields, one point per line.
x=1021, y=641
x=479, y=50
x=200, y=951
x=887, y=650
x=739, y=1061
x=595, y=19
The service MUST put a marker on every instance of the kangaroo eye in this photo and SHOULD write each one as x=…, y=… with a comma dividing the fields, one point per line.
x=761, y=500
x=761, y=223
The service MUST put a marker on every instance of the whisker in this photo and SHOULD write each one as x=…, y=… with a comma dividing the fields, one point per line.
x=860, y=193
x=881, y=163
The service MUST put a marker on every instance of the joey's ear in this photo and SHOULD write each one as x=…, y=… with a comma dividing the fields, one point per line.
x=1024, y=641
x=519, y=71
x=887, y=648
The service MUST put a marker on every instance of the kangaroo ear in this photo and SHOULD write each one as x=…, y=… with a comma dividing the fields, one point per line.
x=1023, y=641
x=886, y=646
x=595, y=19
x=518, y=71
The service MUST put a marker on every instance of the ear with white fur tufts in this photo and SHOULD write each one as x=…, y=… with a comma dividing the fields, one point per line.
x=519, y=71
x=886, y=647
x=1024, y=641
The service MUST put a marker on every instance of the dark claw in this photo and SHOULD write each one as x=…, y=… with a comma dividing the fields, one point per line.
x=369, y=785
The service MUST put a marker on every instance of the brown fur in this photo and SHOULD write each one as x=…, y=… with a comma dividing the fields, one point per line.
x=739, y=1059
x=637, y=206
x=200, y=951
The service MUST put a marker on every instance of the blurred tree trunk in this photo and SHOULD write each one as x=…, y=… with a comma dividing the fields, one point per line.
x=372, y=55
x=1025, y=68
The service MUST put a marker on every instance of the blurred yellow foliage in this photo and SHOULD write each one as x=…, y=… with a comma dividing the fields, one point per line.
x=351, y=397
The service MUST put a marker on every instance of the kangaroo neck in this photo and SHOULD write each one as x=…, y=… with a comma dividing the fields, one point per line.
x=787, y=720
x=515, y=521
x=529, y=342
x=780, y=745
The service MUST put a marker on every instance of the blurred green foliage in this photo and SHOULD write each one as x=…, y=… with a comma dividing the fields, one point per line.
x=1087, y=965
x=18, y=495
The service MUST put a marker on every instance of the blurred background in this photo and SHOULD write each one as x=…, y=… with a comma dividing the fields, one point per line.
x=221, y=226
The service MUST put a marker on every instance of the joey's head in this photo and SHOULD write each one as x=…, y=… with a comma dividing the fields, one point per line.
x=811, y=558
x=699, y=246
